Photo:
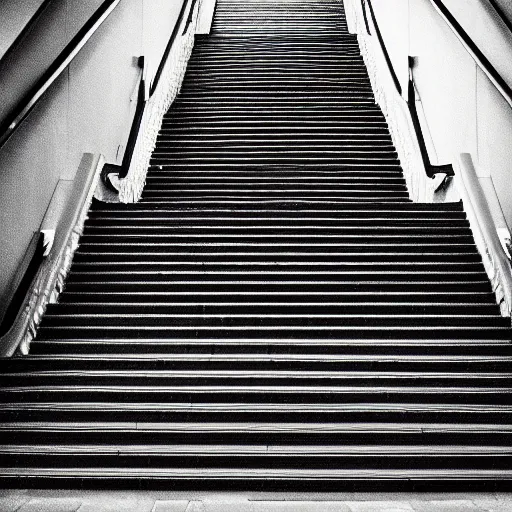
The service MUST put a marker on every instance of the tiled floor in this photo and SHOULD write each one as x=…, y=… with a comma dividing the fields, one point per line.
x=83, y=501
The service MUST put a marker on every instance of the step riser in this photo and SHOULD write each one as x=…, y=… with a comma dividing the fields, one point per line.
x=87, y=414
x=312, y=462
x=356, y=333
x=391, y=299
x=282, y=321
x=374, y=348
x=132, y=379
x=242, y=438
x=77, y=367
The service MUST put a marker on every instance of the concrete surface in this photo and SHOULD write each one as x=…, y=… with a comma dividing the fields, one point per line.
x=91, y=501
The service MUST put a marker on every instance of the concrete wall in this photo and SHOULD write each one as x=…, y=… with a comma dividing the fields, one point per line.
x=89, y=109
x=463, y=110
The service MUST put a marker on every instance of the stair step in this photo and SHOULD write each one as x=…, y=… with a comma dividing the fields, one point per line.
x=372, y=433
x=372, y=347
x=162, y=228
x=185, y=265
x=270, y=190
x=292, y=277
x=257, y=457
x=223, y=248
x=152, y=320
x=268, y=150
x=111, y=410
x=275, y=364
x=355, y=332
x=198, y=221
x=243, y=477
x=423, y=297
x=301, y=380
x=334, y=452
x=398, y=241
x=264, y=308
x=355, y=210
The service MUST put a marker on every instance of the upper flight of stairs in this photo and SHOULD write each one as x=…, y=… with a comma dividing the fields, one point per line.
x=275, y=310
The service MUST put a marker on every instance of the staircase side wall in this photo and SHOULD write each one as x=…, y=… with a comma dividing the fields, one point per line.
x=89, y=109
x=463, y=111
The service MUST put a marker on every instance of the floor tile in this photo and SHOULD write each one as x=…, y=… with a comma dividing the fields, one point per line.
x=379, y=506
x=170, y=506
x=51, y=505
x=496, y=505
x=300, y=506
x=116, y=504
x=12, y=503
x=447, y=506
x=228, y=505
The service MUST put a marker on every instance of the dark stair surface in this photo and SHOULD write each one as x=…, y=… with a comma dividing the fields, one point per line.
x=275, y=310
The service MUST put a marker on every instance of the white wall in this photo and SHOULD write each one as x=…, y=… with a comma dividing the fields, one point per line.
x=395, y=33
x=89, y=109
x=492, y=36
x=463, y=110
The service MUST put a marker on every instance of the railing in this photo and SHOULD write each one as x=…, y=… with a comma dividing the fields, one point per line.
x=365, y=17
x=34, y=255
x=121, y=171
x=59, y=65
x=170, y=44
x=381, y=42
x=501, y=272
x=482, y=61
x=430, y=169
x=31, y=265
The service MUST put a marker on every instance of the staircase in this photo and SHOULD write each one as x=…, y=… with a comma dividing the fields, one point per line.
x=275, y=311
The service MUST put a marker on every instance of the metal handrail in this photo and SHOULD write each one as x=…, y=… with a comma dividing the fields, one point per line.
x=121, y=171
x=477, y=198
x=170, y=44
x=54, y=71
x=430, y=169
x=382, y=44
x=190, y=17
x=365, y=17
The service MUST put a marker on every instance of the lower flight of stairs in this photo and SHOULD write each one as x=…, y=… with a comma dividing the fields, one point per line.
x=275, y=311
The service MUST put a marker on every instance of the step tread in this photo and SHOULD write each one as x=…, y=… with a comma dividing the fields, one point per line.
x=269, y=451
x=255, y=427
x=249, y=474
x=233, y=407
